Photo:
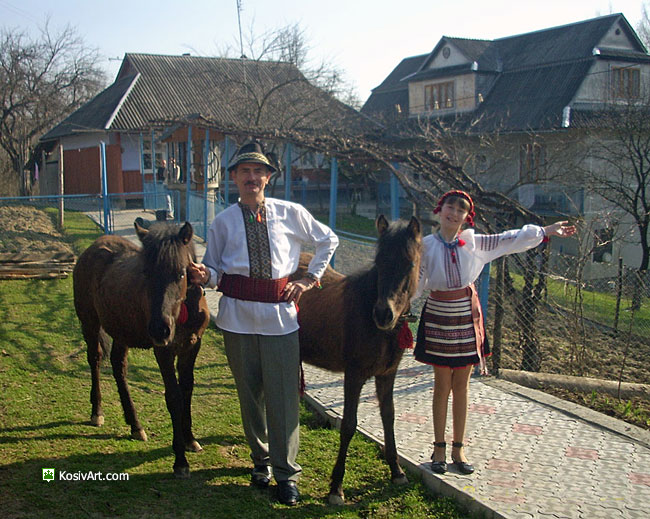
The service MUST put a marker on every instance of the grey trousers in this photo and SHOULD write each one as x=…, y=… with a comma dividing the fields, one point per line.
x=266, y=369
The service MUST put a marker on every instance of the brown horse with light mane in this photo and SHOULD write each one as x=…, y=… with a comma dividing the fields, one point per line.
x=352, y=325
x=140, y=297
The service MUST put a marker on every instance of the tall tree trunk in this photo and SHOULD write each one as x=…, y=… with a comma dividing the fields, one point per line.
x=640, y=285
x=497, y=332
x=531, y=359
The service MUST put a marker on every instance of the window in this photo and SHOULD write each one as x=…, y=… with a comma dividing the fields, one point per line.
x=532, y=162
x=146, y=153
x=626, y=83
x=603, y=240
x=439, y=96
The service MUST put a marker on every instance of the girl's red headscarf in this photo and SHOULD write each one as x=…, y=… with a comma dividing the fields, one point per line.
x=470, y=215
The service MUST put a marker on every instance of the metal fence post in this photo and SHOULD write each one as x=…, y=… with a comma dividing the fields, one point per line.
x=107, y=224
x=154, y=173
x=226, y=186
x=287, y=170
x=188, y=173
x=484, y=288
x=142, y=163
x=334, y=181
x=205, y=184
x=61, y=189
x=394, y=195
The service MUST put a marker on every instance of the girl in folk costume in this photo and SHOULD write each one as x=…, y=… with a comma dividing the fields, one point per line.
x=451, y=336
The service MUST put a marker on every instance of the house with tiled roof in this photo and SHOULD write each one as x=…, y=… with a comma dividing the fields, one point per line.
x=528, y=82
x=130, y=117
x=532, y=96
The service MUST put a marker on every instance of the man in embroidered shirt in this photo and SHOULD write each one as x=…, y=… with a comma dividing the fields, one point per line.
x=252, y=247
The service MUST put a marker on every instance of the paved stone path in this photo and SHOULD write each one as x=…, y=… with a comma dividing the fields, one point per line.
x=535, y=455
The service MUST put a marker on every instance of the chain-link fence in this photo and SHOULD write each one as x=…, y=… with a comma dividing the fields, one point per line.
x=563, y=323
x=553, y=322
x=89, y=204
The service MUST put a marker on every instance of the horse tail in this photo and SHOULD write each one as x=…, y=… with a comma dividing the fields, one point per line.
x=105, y=342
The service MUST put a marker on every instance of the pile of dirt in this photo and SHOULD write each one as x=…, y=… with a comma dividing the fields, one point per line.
x=31, y=246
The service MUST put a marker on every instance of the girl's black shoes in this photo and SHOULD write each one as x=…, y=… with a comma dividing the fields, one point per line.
x=463, y=466
x=439, y=467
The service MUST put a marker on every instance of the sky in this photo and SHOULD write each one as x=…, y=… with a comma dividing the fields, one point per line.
x=364, y=38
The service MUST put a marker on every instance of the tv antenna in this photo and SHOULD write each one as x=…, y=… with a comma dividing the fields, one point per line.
x=241, y=41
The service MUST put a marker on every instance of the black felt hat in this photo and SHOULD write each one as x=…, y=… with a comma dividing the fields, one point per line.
x=252, y=151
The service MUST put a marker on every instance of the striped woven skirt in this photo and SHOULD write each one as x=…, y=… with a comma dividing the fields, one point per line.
x=451, y=331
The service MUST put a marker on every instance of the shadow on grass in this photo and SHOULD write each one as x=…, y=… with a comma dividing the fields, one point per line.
x=222, y=491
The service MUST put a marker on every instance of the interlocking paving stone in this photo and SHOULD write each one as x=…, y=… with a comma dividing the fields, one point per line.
x=530, y=460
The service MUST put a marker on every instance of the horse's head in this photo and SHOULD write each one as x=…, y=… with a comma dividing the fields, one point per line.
x=167, y=251
x=398, y=267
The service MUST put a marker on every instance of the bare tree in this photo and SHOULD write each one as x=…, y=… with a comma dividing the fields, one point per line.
x=289, y=44
x=42, y=80
x=617, y=167
x=643, y=27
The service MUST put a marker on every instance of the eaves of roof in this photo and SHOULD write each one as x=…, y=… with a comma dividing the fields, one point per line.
x=621, y=55
x=96, y=114
x=439, y=73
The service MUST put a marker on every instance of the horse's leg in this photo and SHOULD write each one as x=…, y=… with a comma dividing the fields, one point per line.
x=120, y=368
x=384, y=386
x=174, y=401
x=185, y=367
x=94, y=355
x=353, y=382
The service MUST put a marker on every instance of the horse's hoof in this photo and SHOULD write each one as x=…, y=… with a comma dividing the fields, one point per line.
x=193, y=446
x=400, y=480
x=182, y=472
x=336, y=500
x=139, y=435
x=97, y=420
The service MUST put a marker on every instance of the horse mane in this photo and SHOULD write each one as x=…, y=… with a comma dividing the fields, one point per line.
x=164, y=250
x=363, y=282
x=392, y=238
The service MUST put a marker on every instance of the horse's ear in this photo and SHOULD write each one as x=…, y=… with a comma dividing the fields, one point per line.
x=186, y=233
x=382, y=224
x=414, y=226
x=140, y=231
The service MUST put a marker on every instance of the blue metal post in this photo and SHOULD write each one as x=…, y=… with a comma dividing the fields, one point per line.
x=334, y=181
x=142, y=162
x=205, y=183
x=153, y=170
x=226, y=179
x=394, y=196
x=107, y=211
x=188, y=173
x=484, y=288
x=287, y=169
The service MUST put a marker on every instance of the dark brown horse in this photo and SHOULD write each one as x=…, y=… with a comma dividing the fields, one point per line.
x=352, y=325
x=141, y=298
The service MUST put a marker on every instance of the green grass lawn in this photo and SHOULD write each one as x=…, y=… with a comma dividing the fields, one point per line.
x=44, y=423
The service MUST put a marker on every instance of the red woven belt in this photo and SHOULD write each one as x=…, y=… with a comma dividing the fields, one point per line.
x=252, y=289
x=450, y=295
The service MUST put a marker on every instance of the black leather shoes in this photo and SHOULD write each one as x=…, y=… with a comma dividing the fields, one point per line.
x=439, y=467
x=464, y=467
x=261, y=476
x=288, y=493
